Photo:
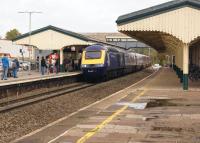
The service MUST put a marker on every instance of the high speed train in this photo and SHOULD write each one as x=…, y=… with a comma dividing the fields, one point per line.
x=105, y=61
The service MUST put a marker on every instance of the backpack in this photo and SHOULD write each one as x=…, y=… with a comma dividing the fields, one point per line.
x=14, y=65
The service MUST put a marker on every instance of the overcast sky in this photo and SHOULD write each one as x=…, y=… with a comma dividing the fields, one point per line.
x=74, y=15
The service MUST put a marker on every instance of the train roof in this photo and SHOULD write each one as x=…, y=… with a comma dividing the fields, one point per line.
x=95, y=47
x=104, y=47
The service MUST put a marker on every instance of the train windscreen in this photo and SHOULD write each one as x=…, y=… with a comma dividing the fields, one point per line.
x=93, y=55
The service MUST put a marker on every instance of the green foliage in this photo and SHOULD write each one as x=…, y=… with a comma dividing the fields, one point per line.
x=145, y=51
x=12, y=34
x=162, y=59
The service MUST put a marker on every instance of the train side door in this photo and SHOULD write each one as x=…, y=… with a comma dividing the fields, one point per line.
x=118, y=60
x=108, y=59
x=123, y=60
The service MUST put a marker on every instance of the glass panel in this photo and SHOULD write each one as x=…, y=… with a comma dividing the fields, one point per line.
x=123, y=40
x=93, y=55
x=131, y=40
x=109, y=40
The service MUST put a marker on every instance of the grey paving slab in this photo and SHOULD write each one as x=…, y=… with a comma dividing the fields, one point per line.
x=173, y=117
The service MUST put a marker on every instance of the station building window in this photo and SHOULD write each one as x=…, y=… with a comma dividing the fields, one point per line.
x=109, y=39
x=120, y=40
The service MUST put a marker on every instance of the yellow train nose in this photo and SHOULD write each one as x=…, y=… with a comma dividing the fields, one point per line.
x=88, y=61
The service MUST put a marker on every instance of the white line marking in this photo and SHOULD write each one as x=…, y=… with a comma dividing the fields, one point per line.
x=58, y=136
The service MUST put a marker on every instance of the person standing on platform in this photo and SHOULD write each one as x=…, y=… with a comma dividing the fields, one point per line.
x=37, y=63
x=54, y=65
x=57, y=65
x=66, y=63
x=43, y=66
x=79, y=64
x=5, y=66
x=15, y=67
x=48, y=65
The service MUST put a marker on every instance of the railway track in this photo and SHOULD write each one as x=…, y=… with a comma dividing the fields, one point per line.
x=30, y=99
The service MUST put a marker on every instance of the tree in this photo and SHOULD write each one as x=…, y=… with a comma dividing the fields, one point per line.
x=12, y=34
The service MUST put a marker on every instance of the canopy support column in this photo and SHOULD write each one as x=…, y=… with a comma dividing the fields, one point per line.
x=61, y=60
x=185, y=66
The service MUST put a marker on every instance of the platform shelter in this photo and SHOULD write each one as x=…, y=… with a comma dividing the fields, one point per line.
x=52, y=38
x=172, y=28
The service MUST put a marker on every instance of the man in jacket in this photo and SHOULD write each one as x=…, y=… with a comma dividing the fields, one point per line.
x=5, y=66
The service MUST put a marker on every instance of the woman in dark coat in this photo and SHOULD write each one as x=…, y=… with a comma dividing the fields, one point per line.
x=43, y=66
x=15, y=67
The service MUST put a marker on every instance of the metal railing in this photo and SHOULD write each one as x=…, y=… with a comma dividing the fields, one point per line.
x=194, y=73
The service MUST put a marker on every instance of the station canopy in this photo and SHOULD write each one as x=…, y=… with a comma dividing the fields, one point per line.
x=164, y=27
x=52, y=38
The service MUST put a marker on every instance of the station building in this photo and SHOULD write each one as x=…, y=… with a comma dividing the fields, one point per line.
x=53, y=39
x=171, y=28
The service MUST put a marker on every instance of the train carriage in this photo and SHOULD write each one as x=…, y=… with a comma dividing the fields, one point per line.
x=102, y=61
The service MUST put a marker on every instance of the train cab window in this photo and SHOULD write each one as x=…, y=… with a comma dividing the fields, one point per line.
x=93, y=55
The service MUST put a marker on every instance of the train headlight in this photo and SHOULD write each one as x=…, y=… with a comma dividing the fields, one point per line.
x=83, y=66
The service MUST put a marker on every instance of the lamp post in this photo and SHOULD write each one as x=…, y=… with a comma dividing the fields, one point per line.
x=30, y=18
x=29, y=41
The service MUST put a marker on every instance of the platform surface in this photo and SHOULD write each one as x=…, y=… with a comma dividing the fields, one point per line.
x=26, y=76
x=171, y=116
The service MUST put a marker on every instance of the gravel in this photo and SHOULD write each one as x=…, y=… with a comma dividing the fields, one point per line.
x=21, y=121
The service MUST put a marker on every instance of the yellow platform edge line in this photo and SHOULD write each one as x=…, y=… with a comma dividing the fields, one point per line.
x=107, y=121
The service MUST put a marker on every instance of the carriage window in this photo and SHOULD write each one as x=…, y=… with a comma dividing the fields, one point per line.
x=93, y=55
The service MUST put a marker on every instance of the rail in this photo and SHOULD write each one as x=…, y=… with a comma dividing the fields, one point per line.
x=27, y=100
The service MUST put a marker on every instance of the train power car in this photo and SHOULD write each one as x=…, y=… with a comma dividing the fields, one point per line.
x=103, y=62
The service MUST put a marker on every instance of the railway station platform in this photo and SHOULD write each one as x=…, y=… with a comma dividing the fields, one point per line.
x=29, y=81
x=26, y=76
x=153, y=110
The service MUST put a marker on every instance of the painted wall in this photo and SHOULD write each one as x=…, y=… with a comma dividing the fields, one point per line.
x=7, y=46
x=51, y=40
